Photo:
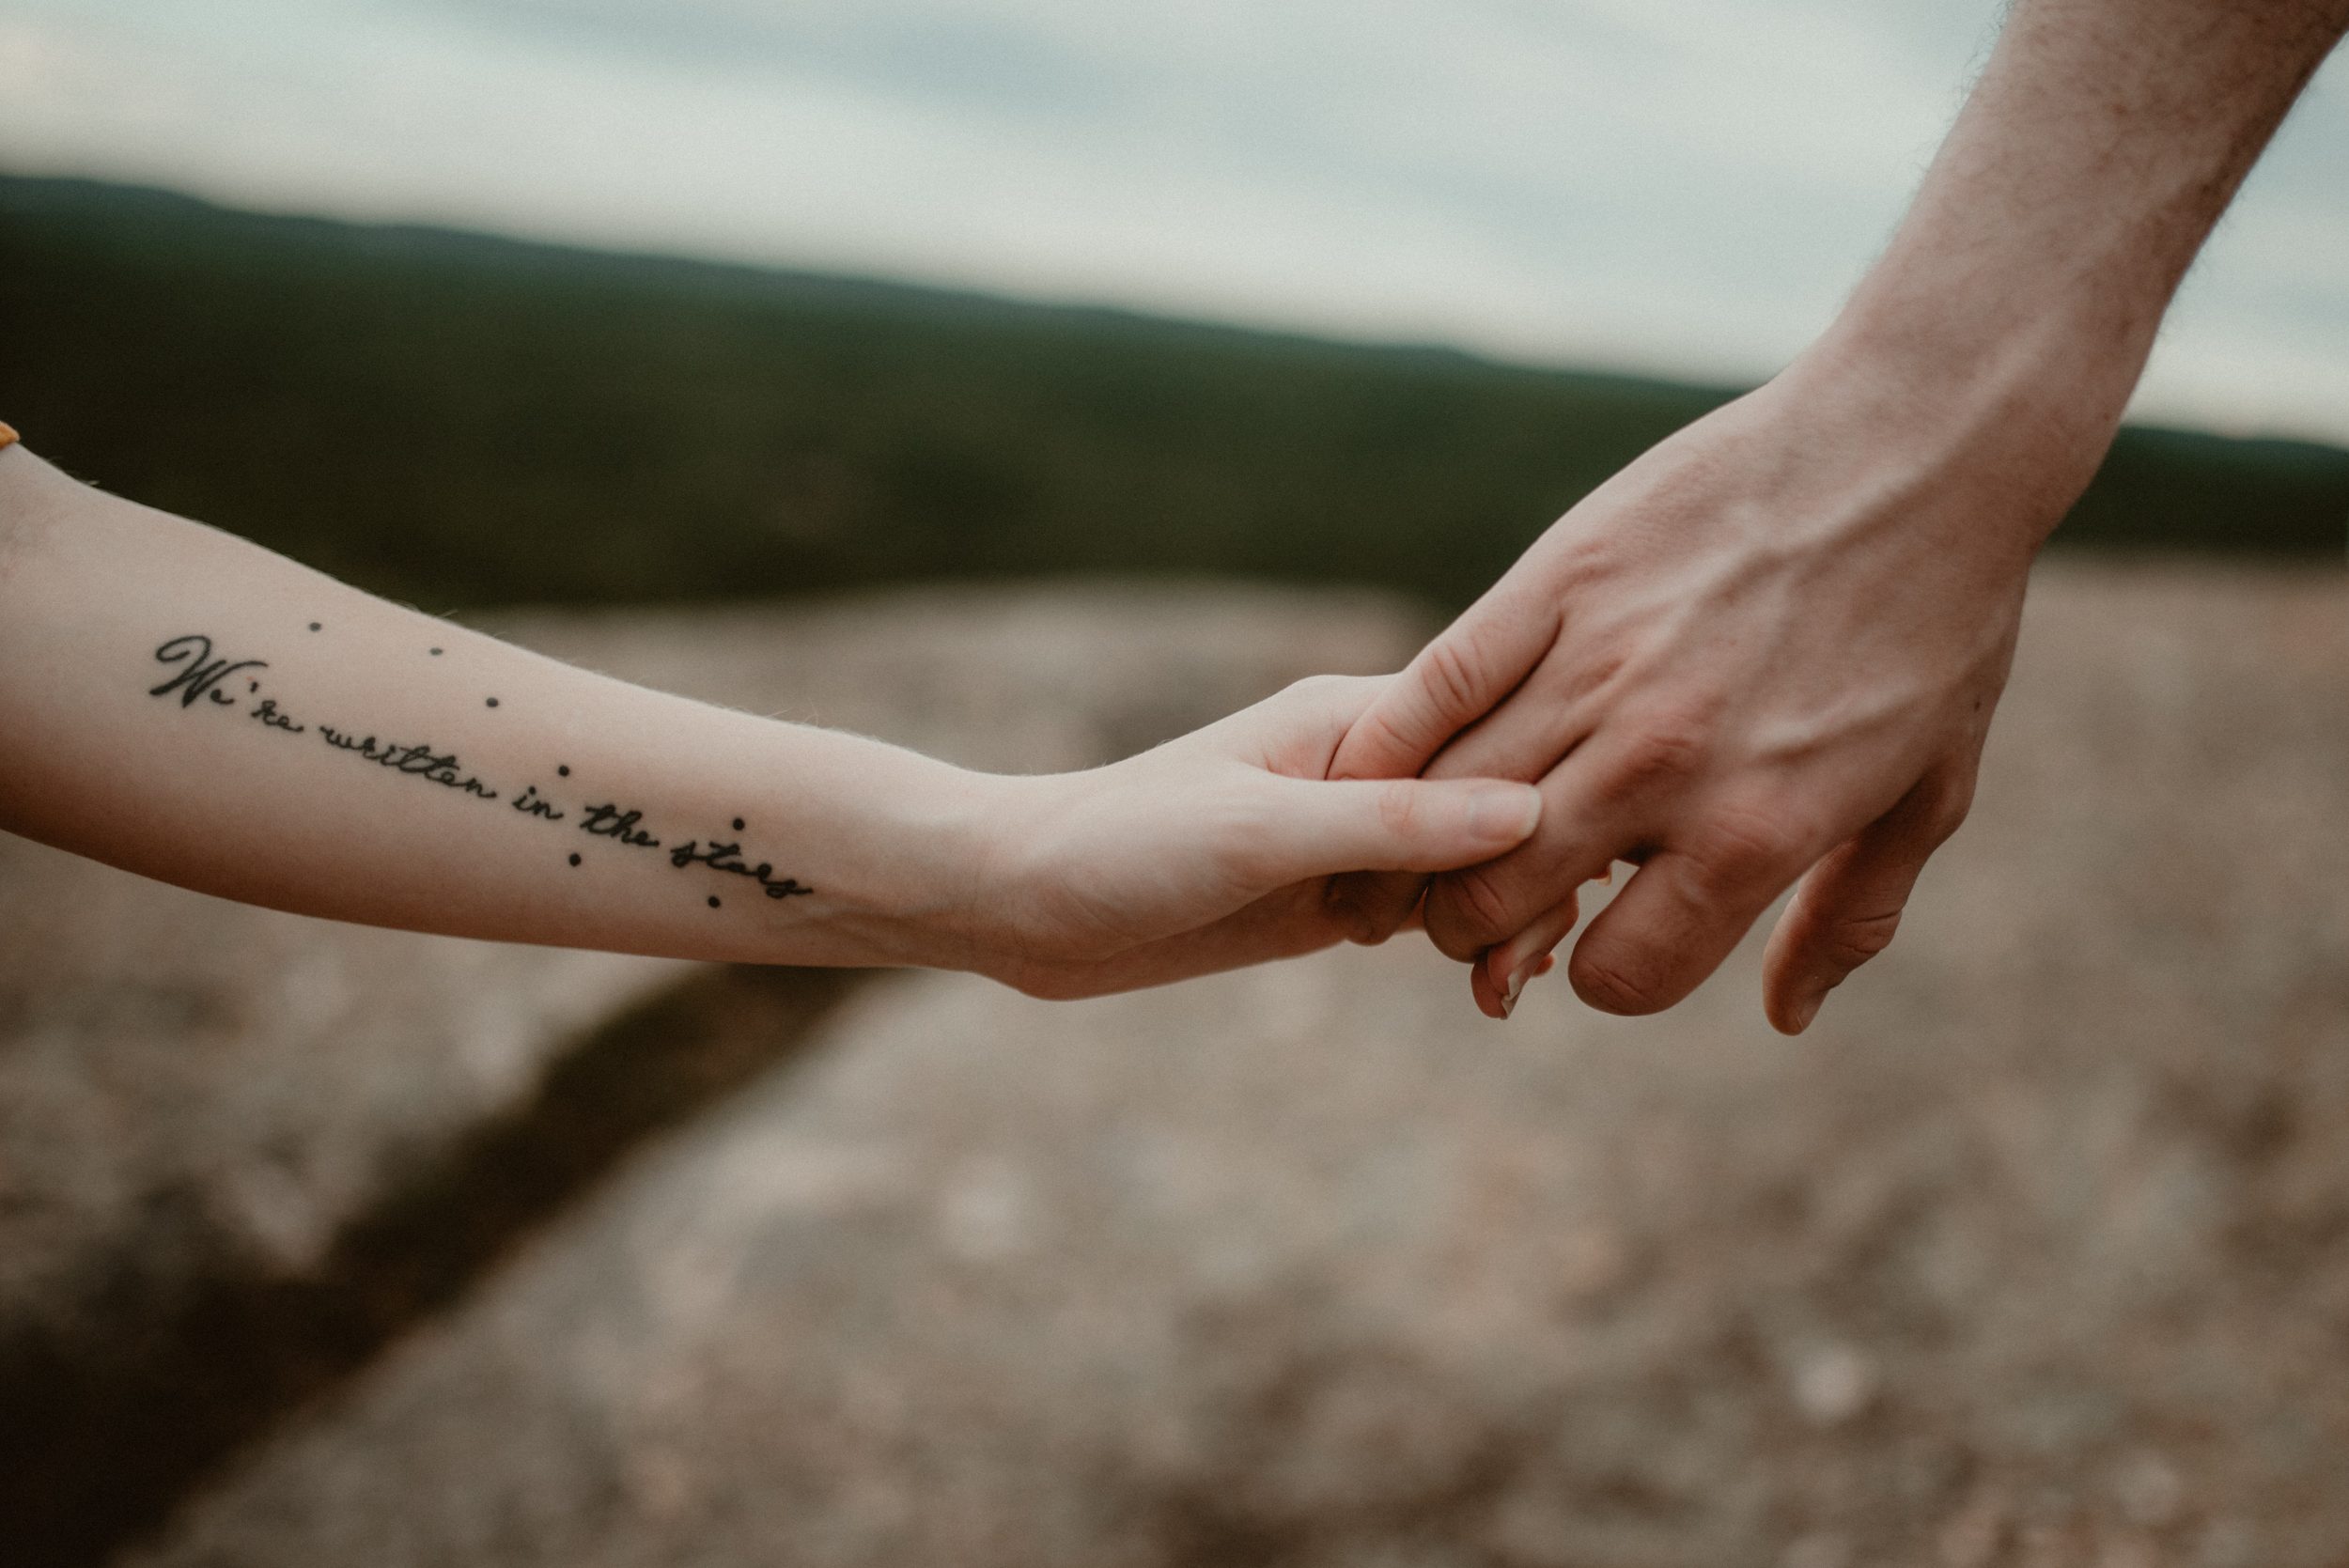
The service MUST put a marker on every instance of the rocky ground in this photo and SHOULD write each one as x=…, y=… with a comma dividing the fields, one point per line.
x=2034, y=1251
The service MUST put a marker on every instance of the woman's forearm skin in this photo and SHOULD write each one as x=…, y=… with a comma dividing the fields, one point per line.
x=185, y=705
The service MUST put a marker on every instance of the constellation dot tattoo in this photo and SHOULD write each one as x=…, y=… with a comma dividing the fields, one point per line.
x=713, y=900
x=563, y=770
x=493, y=701
x=574, y=859
x=738, y=824
x=314, y=626
x=436, y=653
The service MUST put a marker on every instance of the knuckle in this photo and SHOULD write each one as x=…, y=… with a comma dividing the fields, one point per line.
x=1479, y=893
x=1852, y=940
x=1610, y=979
x=1468, y=911
x=1661, y=755
x=1740, y=846
x=1399, y=809
x=1453, y=673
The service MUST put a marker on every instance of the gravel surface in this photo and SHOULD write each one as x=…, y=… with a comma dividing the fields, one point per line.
x=2034, y=1251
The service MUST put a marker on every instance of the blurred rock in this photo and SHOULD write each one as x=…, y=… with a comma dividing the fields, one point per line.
x=1833, y=1383
x=191, y=1089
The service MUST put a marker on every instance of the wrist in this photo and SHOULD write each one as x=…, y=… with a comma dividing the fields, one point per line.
x=984, y=878
x=2060, y=351
x=905, y=852
x=953, y=896
x=2013, y=398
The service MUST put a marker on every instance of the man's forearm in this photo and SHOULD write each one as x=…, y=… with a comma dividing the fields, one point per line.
x=183, y=704
x=2090, y=163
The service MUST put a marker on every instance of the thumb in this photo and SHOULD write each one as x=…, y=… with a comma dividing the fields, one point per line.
x=1848, y=908
x=1455, y=680
x=1319, y=829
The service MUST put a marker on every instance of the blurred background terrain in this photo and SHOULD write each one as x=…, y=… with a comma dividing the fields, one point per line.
x=1028, y=382
x=367, y=399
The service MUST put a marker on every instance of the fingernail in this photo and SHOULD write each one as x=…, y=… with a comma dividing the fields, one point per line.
x=1505, y=813
x=1808, y=1009
x=1549, y=961
x=1515, y=985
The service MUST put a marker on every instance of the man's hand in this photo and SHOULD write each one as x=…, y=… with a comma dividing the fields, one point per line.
x=1772, y=644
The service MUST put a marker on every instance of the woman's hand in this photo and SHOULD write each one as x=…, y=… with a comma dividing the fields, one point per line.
x=1210, y=853
x=186, y=705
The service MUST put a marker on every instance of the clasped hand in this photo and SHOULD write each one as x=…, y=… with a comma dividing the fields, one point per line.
x=1767, y=652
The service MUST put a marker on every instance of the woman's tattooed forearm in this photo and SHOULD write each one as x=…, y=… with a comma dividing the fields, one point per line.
x=200, y=677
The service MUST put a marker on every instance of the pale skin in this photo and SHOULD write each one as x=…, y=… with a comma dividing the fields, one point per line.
x=1768, y=651
x=183, y=704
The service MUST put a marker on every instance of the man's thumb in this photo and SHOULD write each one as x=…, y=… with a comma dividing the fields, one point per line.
x=1399, y=825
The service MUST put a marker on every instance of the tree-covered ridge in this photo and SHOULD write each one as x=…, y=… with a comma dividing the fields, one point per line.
x=453, y=419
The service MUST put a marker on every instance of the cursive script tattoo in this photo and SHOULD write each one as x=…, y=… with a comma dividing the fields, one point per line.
x=440, y=768
x=609, y=821
x=531, y=804
x=266, y=710
x=198, y=676
x=728, y=856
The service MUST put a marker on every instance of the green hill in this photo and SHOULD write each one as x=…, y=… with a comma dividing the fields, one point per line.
x=453, y=419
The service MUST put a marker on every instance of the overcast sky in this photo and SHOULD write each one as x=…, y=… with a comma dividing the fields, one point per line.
x=1679, y=185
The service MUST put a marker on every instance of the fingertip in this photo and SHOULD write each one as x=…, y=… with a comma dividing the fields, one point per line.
x=1505, y=814
x=1792, y=1016
x=1486, y=994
